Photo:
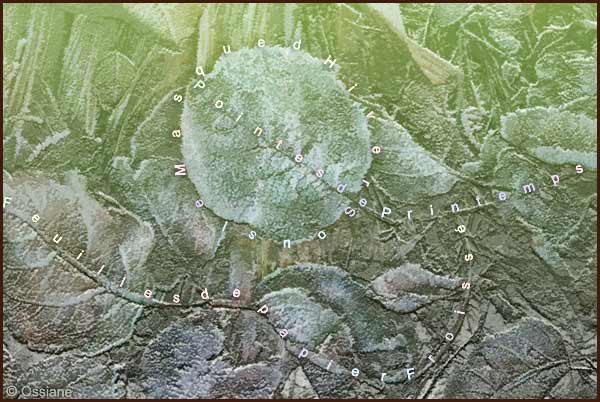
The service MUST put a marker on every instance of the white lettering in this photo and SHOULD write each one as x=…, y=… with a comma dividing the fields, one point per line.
x=385, y=211
x=555, y=179
x=287, y=243
x=528, y=188
x=409, y=373
x=455, y=207
x=329, y=61
x=236, y=293
x=57, y=239
x=355, y=372
x=204, y=294
x=579, y=169
x=502, y=196
x=176, y=299
x=298, y=42
x=263, y=310
x=6, y=201
x=180, y=170
x=35, y=218
x=322, y=235
x=261, y=43
x=148, y=293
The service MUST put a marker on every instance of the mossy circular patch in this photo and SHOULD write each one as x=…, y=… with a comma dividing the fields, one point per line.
x=254, y=176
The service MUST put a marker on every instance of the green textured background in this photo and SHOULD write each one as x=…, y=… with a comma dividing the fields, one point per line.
x=470, y=99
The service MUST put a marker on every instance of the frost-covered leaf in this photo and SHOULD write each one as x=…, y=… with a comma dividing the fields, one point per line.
x=175, y=22
x=553, y=136
x=525, y=361
x=213, y=354
x=307, y=322
x=404, y=169
x=74, y=377
x=254, y=176
x=52, y=300
x=567, y=78
x=112, y=77
x=334, y=289
x=409, y=287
